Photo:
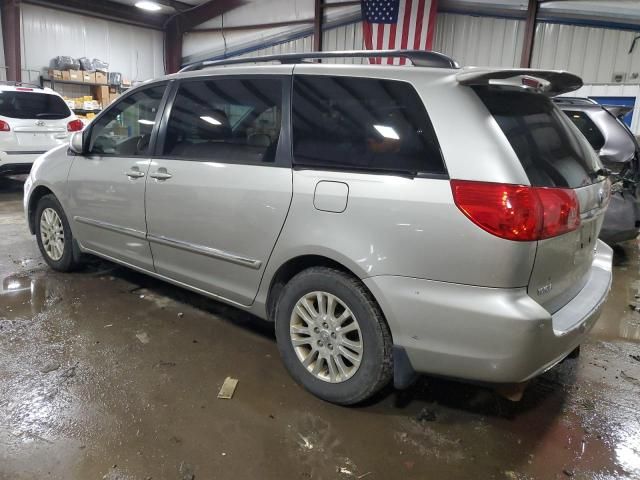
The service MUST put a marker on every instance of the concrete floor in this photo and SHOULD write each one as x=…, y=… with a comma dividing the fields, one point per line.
x=101, y=377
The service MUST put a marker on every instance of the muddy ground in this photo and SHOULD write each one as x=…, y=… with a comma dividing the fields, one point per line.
x=110, y=374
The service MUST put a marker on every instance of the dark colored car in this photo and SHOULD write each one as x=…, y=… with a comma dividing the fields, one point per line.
x=619, y=152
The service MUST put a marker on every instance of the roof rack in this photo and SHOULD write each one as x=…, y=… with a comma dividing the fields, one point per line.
x=419, y=58
x=19, y=84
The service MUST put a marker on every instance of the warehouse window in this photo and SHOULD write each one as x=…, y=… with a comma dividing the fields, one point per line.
x=362, y=124
x=125, y=129
x=226, y=120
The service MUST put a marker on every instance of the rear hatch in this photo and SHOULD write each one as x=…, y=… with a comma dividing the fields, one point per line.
x=37, y=120
x=554, y=154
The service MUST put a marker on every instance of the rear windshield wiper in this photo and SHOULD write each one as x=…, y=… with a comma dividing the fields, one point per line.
x=602, y=172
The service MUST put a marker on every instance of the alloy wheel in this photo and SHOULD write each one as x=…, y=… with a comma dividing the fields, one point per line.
x=326, y=337
x=52, y=233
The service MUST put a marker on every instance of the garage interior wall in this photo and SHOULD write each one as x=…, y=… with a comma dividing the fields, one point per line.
x=3, y=65
x=136, y=52
x=485, y=41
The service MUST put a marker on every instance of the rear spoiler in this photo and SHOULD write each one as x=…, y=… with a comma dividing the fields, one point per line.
x=548, y=82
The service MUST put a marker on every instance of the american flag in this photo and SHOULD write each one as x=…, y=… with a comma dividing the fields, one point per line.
x=398, y=24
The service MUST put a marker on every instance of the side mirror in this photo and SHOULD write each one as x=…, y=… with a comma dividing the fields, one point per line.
x=76, y=143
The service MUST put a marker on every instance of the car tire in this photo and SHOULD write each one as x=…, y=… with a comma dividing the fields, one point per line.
x=353, y=344
x=54, y=236
x=575, y=353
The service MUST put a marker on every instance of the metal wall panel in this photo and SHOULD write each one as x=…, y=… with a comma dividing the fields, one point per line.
x=46, y=33
x=593, y=53
x=480, y=41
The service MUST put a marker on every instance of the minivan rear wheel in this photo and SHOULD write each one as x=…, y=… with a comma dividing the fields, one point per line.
x=332, y=336
x=54, y=236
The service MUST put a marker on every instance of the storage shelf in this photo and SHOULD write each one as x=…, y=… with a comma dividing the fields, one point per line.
x=75, y=82
x=82, y=111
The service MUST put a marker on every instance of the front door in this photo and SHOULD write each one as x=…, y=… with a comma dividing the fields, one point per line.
x=107, y=185
x=219, y=190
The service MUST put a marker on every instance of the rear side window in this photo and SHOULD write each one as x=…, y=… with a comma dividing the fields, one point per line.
x=33, y=105
x=226, y=120
x=587, y=128
x=550, y=149
x=362, y=124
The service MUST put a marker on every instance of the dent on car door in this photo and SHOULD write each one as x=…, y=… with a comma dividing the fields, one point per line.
x=106, y=186
x=219, y=190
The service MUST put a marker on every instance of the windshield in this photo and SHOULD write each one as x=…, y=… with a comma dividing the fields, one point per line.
x=550, y=148
x=33, y=105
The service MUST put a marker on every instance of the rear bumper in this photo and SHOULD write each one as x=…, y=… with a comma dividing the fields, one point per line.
x=487, y=334
x=18, y=162
x=620, y=220
x=15, y=168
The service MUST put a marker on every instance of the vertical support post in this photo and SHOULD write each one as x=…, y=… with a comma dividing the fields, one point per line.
x=173, y=46
x=11, y=39
x=317, y=26
x=529, y=33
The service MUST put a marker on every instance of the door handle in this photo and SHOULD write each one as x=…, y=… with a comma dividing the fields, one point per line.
x=134, y=173
x=161, y=174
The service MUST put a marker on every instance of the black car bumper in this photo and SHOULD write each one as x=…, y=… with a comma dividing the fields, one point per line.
x=15, y=168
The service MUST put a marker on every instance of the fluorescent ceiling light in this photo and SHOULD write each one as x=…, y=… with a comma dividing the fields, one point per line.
x=150, y=6
x=387, y=132
x=146, y=122
x=210, y=120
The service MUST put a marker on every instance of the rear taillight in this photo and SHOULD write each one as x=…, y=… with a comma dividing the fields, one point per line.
x=517, y=212
x=75, y=125
x=4, y=126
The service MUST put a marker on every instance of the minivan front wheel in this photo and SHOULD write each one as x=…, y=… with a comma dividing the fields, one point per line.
x=53, y=235
x=332, y=336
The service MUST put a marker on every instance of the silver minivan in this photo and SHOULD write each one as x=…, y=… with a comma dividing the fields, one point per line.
x=390, y=220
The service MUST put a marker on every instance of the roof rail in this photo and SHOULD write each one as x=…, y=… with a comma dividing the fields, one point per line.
x=419, y=58
x=575, y=101
x=19, y=84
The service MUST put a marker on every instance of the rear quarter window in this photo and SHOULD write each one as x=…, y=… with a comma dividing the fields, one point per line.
x=586, y=126
x=362, y=124
x=32, y=105
x=551, y=150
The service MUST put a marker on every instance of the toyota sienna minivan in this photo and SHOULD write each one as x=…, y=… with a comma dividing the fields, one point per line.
x=389, y=220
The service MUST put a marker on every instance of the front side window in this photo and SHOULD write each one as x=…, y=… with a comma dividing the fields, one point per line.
x=125, y=130
x=226, y=120
x=362, y=124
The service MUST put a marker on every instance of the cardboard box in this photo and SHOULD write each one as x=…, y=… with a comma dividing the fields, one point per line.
x=55, y=74
x=88, y=77
x=113, y=90
x=74, y=75
x=102, y=95
x=113, y=97
x=101, y=78
x=90, y=105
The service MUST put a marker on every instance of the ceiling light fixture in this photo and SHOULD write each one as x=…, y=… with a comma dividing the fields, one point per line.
x=210, y=120
x=387, y=132
x=149, y=6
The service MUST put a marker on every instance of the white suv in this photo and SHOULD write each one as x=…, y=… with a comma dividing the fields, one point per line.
x=32, y=121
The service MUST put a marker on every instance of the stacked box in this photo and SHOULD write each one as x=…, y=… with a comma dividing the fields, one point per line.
x=89, y=77
x=75, y=75
x=102, y=95
x=101, y=78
